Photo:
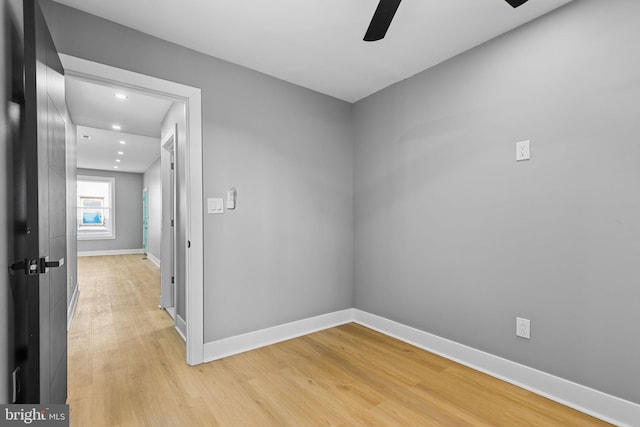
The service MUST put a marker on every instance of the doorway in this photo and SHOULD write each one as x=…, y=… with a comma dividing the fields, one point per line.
x=191, y=255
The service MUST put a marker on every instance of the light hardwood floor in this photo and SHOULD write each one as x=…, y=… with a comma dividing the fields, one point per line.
x=127, y=368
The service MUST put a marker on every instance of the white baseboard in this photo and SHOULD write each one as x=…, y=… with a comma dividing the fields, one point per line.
x=111, y=252
x=264, y=337
x=181, y=327
x=71, y=308
x=584, y=399
x=154, y=259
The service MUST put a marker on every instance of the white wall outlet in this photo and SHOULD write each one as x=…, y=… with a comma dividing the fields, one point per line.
x=523, y=327
x=522, y=151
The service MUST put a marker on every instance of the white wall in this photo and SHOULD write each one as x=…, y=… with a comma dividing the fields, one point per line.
x=468, y=239
x=153, y=183
x=128, y=195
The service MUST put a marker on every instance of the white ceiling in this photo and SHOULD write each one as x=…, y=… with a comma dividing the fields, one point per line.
x=94, y=109
x=318, y=44
x=102, y=150
x=94, y=105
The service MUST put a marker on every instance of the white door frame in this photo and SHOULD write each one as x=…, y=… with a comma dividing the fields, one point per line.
x=167, y=245
x=192, y=97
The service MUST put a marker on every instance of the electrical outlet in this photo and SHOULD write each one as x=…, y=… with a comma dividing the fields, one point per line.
x=523, y=327
x=522, y=151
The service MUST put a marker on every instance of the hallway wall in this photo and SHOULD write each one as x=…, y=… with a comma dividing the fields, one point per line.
x=128, y=200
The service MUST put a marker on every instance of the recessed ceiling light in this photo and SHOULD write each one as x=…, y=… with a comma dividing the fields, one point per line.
x=123, y=142
x=121, y=152
x=120, y=95
x=84, y=136
x=116, y=127
x=115, y=167
x=118, y=160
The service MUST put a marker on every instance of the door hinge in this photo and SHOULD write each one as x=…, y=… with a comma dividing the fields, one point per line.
x=172, y=166
x=173, y=280
x=172, y=223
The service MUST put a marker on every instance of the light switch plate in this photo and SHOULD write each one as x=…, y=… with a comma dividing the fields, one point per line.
x=215, y=205
x=522, y=151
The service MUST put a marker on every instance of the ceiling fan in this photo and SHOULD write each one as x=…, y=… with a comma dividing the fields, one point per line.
x=387, y=9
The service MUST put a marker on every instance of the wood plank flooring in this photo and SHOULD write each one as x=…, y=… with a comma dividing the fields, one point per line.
x=127, y=368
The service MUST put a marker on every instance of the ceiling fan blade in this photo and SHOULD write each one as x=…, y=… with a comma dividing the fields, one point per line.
x=516, y=3
x=381, y=20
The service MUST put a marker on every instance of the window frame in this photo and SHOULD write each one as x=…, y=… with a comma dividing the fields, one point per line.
x=106, y=231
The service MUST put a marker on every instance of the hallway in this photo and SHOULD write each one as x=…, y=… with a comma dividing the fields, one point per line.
x=127, y=368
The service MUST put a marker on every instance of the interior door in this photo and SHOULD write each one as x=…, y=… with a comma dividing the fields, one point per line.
x=38, y=274
x=167, y=266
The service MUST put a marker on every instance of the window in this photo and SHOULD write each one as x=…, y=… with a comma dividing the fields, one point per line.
x=92, y=211
x=96, y=208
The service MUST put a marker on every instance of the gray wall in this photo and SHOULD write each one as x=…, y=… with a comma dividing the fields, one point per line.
x=128, y=189
x=467, y=239
x=286, y=253
x=153, y=183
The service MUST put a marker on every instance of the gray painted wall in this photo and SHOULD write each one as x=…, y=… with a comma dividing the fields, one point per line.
x=467, y=239
x=153, y=183
x=128, y=189
x=286, y=253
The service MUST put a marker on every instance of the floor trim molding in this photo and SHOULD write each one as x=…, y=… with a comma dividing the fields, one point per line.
x=71, y=308
x=252, y=340
x=153, y=259
x=111, y=252
x=608, y=408
x=181, y=327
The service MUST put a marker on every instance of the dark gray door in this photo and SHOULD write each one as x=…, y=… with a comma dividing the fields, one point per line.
x=39, y=218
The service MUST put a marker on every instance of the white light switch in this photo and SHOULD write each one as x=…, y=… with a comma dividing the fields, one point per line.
x=522, y=151
x=215, y=205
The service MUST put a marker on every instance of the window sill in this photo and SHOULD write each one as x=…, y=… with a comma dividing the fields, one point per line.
x=95, y=237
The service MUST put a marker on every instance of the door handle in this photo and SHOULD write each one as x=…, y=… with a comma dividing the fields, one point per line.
x=44, y=264
x=30, y=267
